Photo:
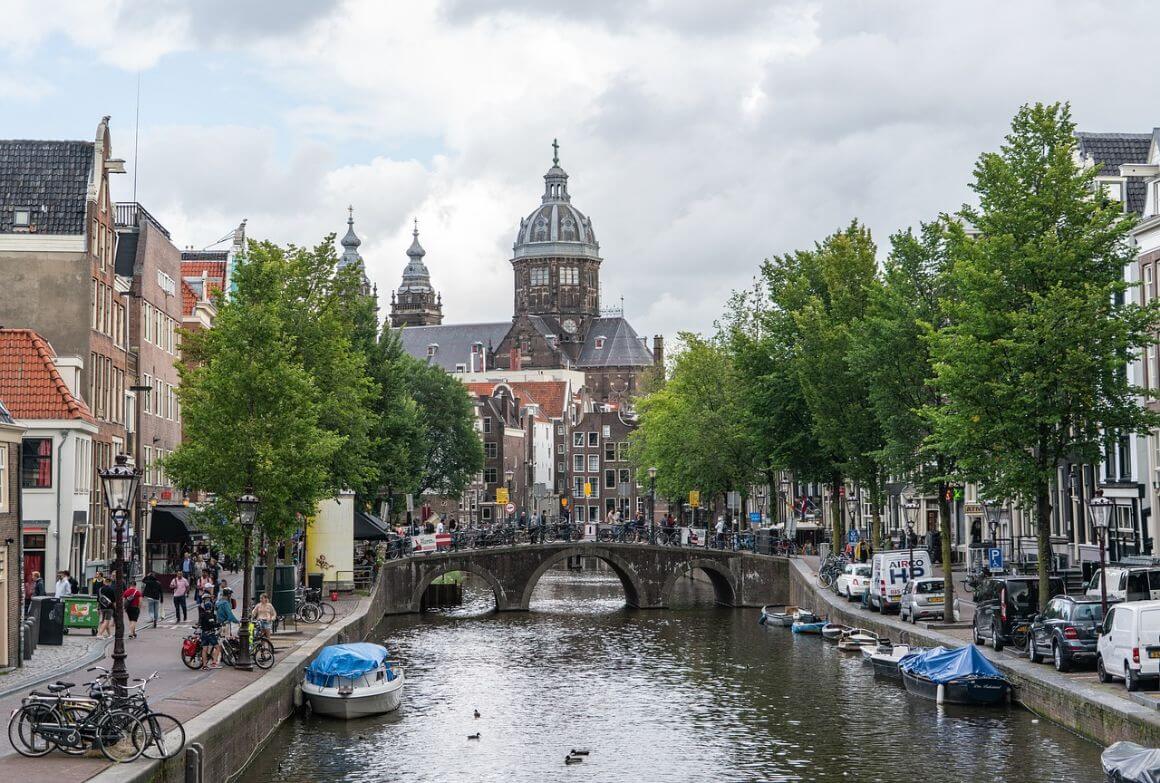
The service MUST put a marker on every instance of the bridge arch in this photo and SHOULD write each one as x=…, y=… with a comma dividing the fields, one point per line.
x=438, y=569
x=634, y=591
x=724, y=581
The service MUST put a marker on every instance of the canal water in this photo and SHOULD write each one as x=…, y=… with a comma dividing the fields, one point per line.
x=693, y=693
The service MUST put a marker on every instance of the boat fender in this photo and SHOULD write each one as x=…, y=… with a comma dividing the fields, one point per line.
x=298, y=700
x=940, y=694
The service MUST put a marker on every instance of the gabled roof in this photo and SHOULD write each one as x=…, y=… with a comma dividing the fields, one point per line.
x=30, y=384
x=1109, y=151
x=51, y=179
x=453, y=341
x=621, y=346
x=548, y=395
x=195, y=263
x=189, y=298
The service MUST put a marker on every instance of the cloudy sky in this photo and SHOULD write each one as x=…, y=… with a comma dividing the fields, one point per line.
x=700, y=137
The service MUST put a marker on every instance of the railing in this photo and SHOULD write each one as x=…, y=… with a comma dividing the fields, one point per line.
x=130, y=213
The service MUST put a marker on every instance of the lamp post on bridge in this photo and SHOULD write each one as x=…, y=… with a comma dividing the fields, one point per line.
x=247, y=513
x=652, y=505
x=119, y=483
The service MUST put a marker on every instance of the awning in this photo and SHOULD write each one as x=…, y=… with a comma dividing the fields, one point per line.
x=368, y=527
x=173, y=525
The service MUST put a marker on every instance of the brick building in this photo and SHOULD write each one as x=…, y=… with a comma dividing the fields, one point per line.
x=11, y=585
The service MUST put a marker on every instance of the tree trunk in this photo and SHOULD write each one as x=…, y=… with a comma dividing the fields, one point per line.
x=837, y=523
x=1043, y=538
x=271, y=559
x=944, y=527
x=876, y=514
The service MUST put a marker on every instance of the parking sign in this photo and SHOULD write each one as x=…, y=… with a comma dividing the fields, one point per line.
x=995, y=558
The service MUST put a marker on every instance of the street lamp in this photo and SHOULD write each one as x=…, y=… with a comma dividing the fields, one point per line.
x=852, y=506
x=1101, y=511
x=119, y=483
x=247, y=513
x=508, y=475
x=911, y=518
x=652, y=505
x=993, y=511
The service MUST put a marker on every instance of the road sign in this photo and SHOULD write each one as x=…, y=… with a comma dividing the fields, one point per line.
x=587, y=489
x=510, y=508
x=564, y=502
x=501, y=495
x=694, y=498
x=754, y=516
x=995, y=558
x=853, y=537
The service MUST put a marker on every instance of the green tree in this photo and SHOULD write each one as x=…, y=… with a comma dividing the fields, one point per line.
x=451, y=450
x=1033, y=360
x=398, y=435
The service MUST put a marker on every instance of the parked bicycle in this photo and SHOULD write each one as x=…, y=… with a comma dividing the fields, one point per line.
x=165, y=735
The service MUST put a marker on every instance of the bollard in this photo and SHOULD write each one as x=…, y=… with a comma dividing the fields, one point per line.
x=193, y=762
x=940, y=694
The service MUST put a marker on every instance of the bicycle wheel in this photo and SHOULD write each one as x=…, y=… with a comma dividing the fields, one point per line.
x=309, y=613
x=121, y=736
x=22, y=729
x=192, y=661
x=263, y=654
x=326, y=612
x=229, y=652
x=76, y=714
x=165, y=736
x=824, y=579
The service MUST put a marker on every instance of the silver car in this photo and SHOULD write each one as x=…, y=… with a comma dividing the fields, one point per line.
x=922, y=598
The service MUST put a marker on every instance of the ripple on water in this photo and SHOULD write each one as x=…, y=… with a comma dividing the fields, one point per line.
x=690, y=694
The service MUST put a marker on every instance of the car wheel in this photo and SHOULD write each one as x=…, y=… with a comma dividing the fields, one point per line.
x=1032, y=653
x=1102, y=673
x=1131, y=678
x=975, y=636
x=1062, y=663
x=996, y=637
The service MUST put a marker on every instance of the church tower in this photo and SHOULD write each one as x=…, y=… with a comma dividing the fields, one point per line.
x=416, y=303
x=350, y=255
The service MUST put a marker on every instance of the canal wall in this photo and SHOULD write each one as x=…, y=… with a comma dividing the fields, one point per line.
x=224, y=739
x=1102, y=717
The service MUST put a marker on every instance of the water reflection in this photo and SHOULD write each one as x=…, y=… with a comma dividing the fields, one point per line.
x=689, y=694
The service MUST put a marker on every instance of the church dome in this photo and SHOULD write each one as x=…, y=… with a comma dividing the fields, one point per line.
x=556, y=228
x=415, y=275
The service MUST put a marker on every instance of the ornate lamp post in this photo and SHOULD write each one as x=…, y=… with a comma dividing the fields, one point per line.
x=247, y=513
x=853, y=506
x=119, y=483
x=1101, y=510
x=652, y=505
x=508, y=475
x=911, y=508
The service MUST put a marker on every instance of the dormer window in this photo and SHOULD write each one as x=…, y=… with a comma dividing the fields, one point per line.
x=599, y=343
x=432, y=349
x=21, y=218
x=1113, y=189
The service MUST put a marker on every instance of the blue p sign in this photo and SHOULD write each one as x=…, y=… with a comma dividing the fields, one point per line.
x=994, y=558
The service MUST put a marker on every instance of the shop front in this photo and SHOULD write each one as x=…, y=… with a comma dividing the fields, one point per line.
x=173, y=532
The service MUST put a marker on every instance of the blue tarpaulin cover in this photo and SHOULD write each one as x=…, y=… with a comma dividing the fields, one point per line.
x=345, y=660
x=941, y=665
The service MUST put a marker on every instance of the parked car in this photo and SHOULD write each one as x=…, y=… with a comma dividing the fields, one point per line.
x=1140, y=583
x=889, y=574
x=854, y=581
x=1129, y=643
x=1067, y=631
x=1004, y=606
x=922, y=598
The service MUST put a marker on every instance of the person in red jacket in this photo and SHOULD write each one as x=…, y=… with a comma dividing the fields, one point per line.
x=132, y=599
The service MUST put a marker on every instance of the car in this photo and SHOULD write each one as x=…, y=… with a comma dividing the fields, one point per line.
x=922, y=598
x=1004, y=606
x=1066, y=631
x=1129, y=644
x=1126, y=583
x=854, y=581
x=889, y=574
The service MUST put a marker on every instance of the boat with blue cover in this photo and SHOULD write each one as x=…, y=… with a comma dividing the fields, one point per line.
x=353, y=681
x=960, y=676
x=804, y=627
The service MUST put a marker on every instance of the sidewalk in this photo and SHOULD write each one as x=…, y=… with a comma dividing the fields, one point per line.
x=179, y=691
x=48, y=662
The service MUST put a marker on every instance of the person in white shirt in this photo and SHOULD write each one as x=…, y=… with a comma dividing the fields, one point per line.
x=63, y=587
x=439, y=526
x=720, y=532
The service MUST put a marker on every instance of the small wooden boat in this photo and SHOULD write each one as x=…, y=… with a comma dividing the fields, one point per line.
x=832, y=632
x=885, y=662
x=813, y=628
x=883, y=647
x=856, y=639
x=961, y=676
x=353, y=681
x=806, y=616
x=769, y=615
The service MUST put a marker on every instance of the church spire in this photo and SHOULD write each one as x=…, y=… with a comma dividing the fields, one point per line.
x=350, y=244
x=416, y=303
x=556, y=180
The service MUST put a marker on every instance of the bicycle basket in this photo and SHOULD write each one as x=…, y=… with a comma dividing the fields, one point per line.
x=189, y=647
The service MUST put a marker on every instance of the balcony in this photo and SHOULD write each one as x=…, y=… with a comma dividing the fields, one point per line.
x=130, y=214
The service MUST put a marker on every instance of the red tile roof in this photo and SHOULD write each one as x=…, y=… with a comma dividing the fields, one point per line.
x=188, y=299
x=549, y=395
x=30, y=384
x=215, y=275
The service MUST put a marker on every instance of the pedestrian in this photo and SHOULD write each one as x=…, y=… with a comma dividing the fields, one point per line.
x=33, y=588
x=74, y=585
x=151, y=588
x=439, y=527
x=106, y=601
x=180, y=591
x=97, y=583
x=187, y=566
x=224, y=609
x=207, y=624
x=63, y=586
x=132, y=598
x=720, y=529
x=214, y=569
x=223, y=588
x=205, y=586
x=264, y=614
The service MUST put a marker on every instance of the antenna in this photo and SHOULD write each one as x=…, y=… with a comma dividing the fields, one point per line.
x=136, y=132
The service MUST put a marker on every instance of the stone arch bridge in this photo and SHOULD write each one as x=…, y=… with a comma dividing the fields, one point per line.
x=648, y=573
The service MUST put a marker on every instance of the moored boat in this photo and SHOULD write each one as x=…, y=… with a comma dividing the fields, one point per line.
x=1131, y=763
x=883, y=646
x=353, y=681
x=857, y=638
x=783, y=618
x=885, y=661
x=832, y=632
x=808, y=627
x=961, y=676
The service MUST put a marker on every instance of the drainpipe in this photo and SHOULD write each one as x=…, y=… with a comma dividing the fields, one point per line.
x=59, y=459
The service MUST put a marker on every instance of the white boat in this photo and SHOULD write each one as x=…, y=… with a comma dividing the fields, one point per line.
x=857, y=638
x=353, y=681
x=885, y=663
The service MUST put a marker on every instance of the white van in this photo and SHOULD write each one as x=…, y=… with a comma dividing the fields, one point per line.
x=1129, y=643
x=889, y=574
x=1138, y=583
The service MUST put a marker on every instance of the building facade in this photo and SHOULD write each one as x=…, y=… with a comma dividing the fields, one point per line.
x=11, y=585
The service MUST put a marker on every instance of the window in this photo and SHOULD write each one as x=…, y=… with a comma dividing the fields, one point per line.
x=609, y=451
x=1146, y=293
x=559, y=429
x=606, y=431
x=432, y=349
x=599, y=343
x=593, y=440
x=1114, y=191
x=593, y=463
x=578, y=440
x=461, y=367
x=486, y=513
x=622, y=451
x=577, y=463
x=36, y=463
x=490, y=450
x=624, y=478
x=561, y=467
x=578, y=486
x=559, y=448
x=610, y=479
x=569, y=275
x=1153, y=366
x=147, y=406
x=539, y=276
x=21, y=218
x=148, y=457
x=489, y=475
x=593, y=514
x=487, y=423
x=3, y=477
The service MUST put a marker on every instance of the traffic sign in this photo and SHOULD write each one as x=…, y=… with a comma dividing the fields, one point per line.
x=853, y=537
x=995, y=558
x=587, y=489
x=754, y=516
x=501, y=495
x=510, y=508
x=694, y=498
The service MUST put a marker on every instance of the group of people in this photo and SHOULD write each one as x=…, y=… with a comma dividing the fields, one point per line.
x=215, y=616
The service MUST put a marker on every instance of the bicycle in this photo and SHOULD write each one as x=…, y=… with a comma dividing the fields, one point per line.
x=159, y=725
x=45, y=722
x=261, y=650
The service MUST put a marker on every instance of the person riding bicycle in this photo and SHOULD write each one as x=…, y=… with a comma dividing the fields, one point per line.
x=264, y=614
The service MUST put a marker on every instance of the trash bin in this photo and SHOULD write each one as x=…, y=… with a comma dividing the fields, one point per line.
x=314, y=581
x=50, y=611
x=81, y=611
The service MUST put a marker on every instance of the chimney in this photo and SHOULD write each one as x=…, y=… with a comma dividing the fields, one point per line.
x=659, y=351
x=514, y=359
x=70, y=368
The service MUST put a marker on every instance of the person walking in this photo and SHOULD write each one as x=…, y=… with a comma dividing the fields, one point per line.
x=63, y=585
x=34, y=588
x=132, y=598
x=720, y=530
x=224, y=610
x=151, y=588
x=97, y=583
x=187, y=567
x=106, y=599
x=180, y=590
x=73, y=584
x=205, y=586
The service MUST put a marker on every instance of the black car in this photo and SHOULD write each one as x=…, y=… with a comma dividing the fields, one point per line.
x=1004, y=606
x=1066, y=630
